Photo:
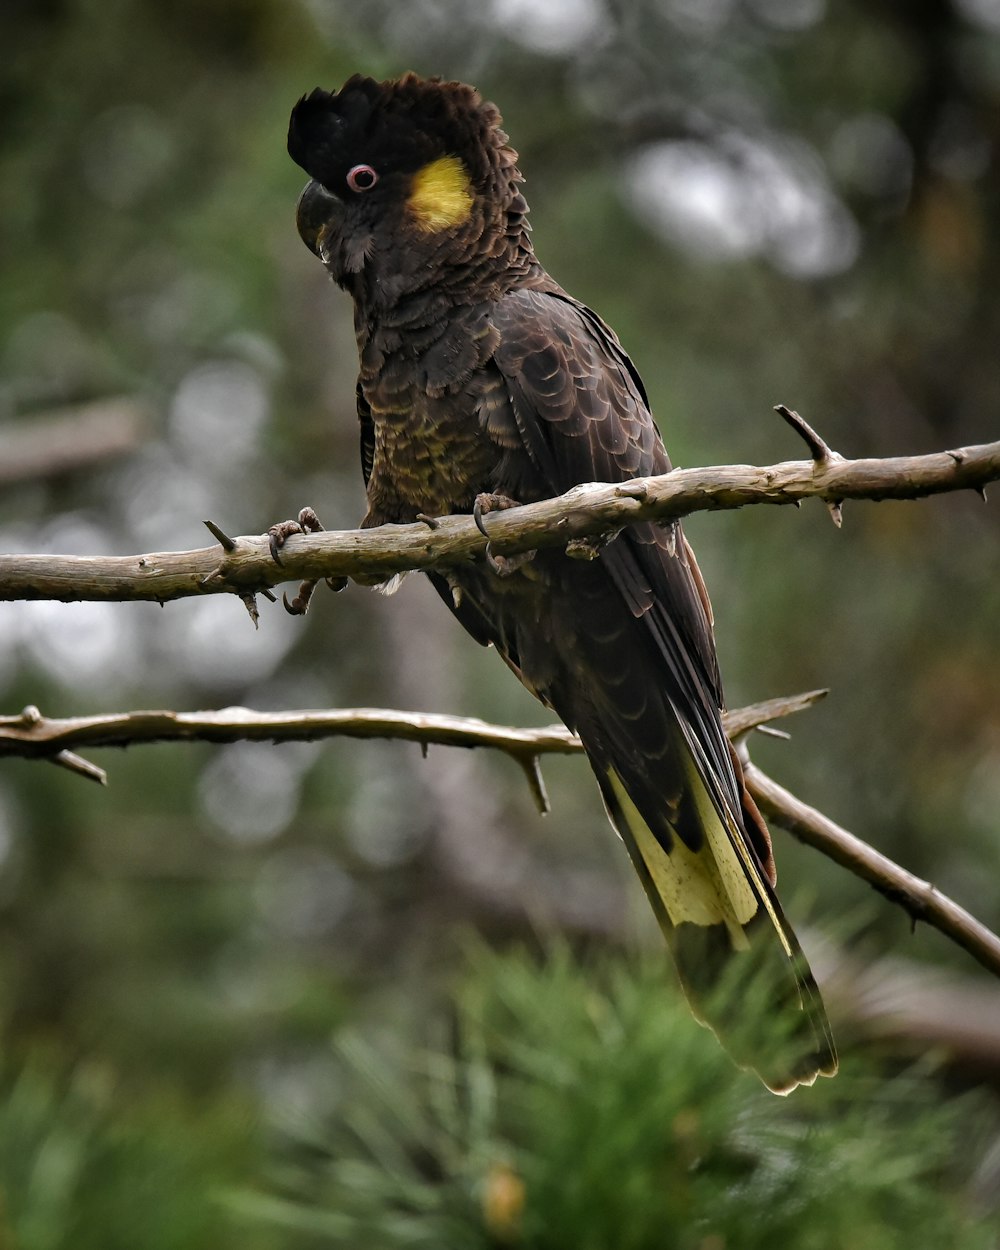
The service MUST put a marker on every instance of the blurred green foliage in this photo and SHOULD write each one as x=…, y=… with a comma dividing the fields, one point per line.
x=584, y=1109
x=786, y=201
x=83, y=1163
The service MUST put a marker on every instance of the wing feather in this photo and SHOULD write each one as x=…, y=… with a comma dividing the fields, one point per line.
x=565, y=405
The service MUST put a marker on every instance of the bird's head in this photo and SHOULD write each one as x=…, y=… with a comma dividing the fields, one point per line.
x=408, y=177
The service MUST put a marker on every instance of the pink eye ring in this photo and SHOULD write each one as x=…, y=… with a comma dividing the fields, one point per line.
x=361, y=178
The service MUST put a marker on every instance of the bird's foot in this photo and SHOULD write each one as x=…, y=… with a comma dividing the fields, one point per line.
x=503, y=566
x=307, y=522
x=489, y=501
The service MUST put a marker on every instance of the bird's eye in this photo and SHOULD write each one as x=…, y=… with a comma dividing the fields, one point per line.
x=361, y=178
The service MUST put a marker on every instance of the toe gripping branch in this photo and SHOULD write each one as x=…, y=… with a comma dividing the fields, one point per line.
x=503, y=566
x=307, y=522
x=820, y=451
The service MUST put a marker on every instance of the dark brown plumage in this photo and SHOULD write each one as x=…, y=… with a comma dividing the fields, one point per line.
x=482, y=379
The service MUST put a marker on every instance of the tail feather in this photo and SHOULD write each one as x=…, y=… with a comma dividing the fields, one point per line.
x=737, y=957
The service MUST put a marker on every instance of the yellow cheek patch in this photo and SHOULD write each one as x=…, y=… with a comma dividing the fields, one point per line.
x=440, y=195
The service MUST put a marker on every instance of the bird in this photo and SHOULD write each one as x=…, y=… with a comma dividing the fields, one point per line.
x=483, y=384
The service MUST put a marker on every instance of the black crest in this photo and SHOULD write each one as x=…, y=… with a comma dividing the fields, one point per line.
x=395, y=126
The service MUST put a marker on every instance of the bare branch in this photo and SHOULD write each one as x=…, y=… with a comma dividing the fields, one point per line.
x=35, y=736
x=921, y=899
x=936, y=1009
x=584, y=512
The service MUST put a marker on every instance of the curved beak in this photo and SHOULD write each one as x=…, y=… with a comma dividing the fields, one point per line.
x=317, y=213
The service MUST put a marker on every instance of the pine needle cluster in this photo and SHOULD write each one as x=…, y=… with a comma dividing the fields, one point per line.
x=563, y=1108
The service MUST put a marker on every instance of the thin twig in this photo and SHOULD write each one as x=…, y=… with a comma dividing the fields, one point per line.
x=920, y=899
x=821, y=452
x=34, y=736
x=818, y=447
x=584, y=512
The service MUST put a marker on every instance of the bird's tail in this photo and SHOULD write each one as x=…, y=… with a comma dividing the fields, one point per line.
x=741, y=966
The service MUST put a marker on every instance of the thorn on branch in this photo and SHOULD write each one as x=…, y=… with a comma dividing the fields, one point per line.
x=836, y=510
x=536, y=783
x=83, y=768
x=249, y=601
x=981, y=492
x=818, y=448
x=431, y=522
x=220, y=535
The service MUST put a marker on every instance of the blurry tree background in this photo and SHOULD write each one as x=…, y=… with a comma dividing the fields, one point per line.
x=771, y=200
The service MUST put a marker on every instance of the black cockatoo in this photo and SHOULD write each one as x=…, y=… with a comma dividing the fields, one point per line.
x=482, y=382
